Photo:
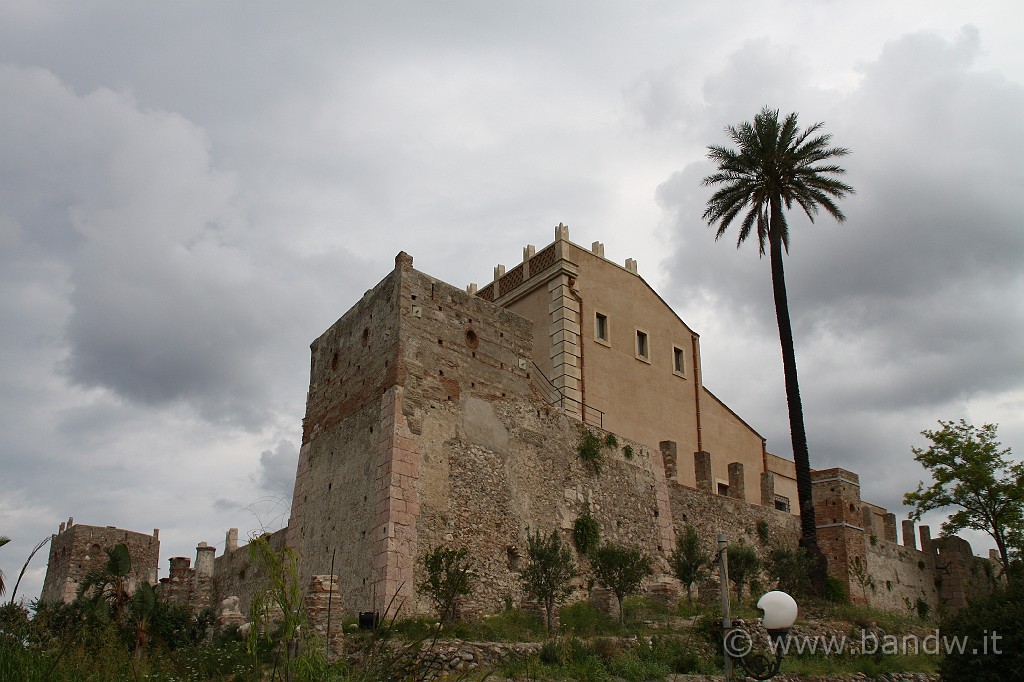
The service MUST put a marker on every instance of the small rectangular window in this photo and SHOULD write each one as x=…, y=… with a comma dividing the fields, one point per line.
x=601, y=327
x=678, y=361
x=641, y=345
x=723, y=490
x=782, y=503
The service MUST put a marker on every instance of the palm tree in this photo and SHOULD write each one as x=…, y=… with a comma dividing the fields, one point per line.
x=774, y=166
x=3, y=588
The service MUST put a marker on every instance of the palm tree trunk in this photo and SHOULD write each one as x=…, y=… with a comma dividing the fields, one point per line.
x=801, y=458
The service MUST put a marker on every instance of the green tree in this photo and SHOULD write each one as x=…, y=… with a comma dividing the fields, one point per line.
x=3, y=541
x=548, y=573
x=776, y=164
x=744, y=565
x=621, y=570
x=107, y=585
x=972, y=471
x=689, y=560
x=447, y=578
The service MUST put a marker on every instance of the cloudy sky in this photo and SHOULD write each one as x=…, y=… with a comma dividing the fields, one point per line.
x=191, y=192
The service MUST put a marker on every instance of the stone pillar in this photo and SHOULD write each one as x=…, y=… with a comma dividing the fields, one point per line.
x=561, y=232
x=737, y=488
x=597, y=248
x=908, y=534
x=768, y=489
x=702, y=471
x=890, y=527
x=926, y=539
x=631, y=265
x=669, y=454
x=324, y=610
x=231, y=540
x=204, y=560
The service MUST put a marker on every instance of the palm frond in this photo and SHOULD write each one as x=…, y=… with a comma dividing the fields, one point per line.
x=773, y=160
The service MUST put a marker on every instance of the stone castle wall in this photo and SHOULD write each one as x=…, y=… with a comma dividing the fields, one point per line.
x=77, y=550
x=426, y=425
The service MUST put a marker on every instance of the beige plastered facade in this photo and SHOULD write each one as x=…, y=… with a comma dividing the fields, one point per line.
x=588, y=315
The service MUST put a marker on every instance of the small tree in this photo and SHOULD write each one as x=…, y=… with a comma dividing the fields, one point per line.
x=689, y=561
x=621, y=570
x=972, y=471
x=860, y=575
x=790, y=568
x=548, y=574
x=744, y=565
x=447, y=577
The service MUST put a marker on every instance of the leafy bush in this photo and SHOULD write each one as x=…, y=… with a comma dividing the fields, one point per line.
x=586, y=533
x=790, y=568
x=835, y=590
x=627, y=451
x=584, y=620
x=611, y=441
x=589, y=451
x=999, y=614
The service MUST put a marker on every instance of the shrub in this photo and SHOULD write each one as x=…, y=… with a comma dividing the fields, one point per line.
x=999, y=614
x=584, y=620
x=689, y=561
x=447, y=578
x=586, y=533
x=835, y=590
x=627, y=451
x=611, y=441
x=762, y=530
x=790, y=568
x=589, y=451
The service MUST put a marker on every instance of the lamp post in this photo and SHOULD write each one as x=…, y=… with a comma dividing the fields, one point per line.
x=780, y=611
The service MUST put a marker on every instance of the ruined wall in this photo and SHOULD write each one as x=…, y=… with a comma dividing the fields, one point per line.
x=902, y=575
x=234, y=573
x=76, y=550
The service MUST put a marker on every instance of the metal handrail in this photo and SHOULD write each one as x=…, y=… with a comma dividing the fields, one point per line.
x=555, y=396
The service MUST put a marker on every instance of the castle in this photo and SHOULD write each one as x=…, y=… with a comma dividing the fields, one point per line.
x=441, y=416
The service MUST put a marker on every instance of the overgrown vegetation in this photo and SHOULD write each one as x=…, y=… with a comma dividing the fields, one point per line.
x=589, y=451
x=447, y=578
x=277, y=616
x=996, y=621
x=586, y=534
